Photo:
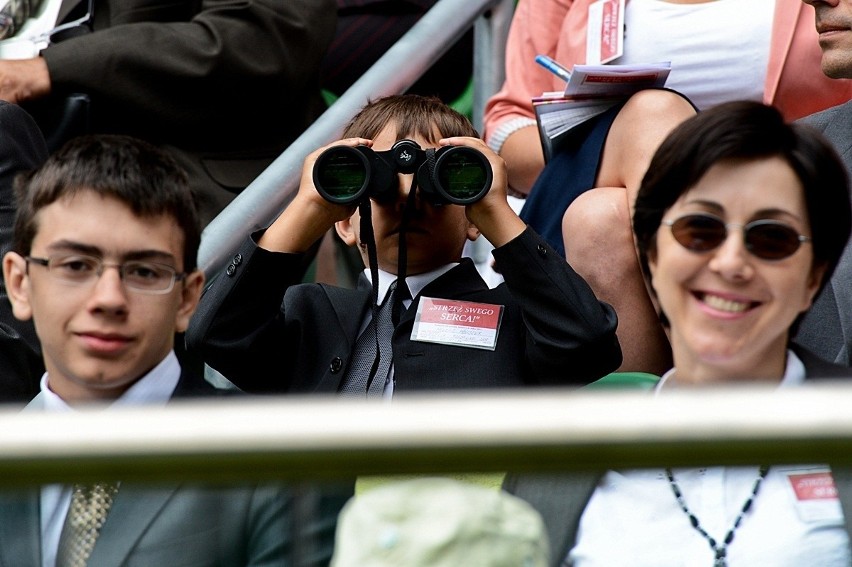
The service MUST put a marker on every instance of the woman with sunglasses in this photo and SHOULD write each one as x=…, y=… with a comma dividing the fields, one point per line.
x=739, y=221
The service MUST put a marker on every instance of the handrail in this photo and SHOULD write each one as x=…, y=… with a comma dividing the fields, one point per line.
x=259, y=203
x=312, y=438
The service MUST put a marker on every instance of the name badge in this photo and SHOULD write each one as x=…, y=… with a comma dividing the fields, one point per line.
x=814, y=494
x=458, y=323
x=605, y=32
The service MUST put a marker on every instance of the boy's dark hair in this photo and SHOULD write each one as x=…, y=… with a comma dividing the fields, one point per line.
x=747, y=131
x=428, y=117
x=143, y=177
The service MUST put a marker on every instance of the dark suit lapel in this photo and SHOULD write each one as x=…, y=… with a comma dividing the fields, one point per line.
x=817, y=368
x=20, y=529
x=132, y=512
x=349, y=307
x=560, y=499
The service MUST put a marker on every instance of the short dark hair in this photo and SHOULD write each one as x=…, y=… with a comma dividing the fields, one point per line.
x=747, y=131
x=140, y=175
x=426, y=116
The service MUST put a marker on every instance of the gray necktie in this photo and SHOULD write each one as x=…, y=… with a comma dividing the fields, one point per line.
x=365, y=363
x=87, y=513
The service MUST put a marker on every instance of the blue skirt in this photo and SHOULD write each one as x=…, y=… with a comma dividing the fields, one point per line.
x=570, y=172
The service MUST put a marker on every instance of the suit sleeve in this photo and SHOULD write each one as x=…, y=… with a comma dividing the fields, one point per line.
x=570, y=334
x=224, y=65
x=239, y=327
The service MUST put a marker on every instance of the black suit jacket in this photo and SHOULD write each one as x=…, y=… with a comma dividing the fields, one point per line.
x=22, y=148
x=562, y=498
x=224, y=85
x=178, y=524
x=553, y=331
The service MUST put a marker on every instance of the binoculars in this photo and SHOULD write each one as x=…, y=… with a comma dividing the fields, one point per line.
x=452, y=174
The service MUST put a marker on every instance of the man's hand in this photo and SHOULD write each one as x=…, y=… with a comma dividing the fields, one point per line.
x=23, y=79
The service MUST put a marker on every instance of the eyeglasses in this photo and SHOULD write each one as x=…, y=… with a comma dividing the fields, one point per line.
x=767, y=239
x=142, y=277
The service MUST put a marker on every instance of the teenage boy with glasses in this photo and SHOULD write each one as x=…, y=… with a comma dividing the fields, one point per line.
x=104, y=262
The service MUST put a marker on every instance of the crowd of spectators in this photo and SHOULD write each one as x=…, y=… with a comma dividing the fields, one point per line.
x=127, y=126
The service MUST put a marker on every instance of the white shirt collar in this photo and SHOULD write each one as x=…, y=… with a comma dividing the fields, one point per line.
x=415, y=283
x=155, y=388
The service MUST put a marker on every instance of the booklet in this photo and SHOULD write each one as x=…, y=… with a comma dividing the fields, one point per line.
x=591, y=91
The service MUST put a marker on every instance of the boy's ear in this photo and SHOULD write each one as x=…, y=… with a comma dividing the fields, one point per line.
x=17, y=285
x=472, y=232
x=193, y=285
x=346, y=231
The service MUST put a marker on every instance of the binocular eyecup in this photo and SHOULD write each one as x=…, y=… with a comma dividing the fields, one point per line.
x=452, y=174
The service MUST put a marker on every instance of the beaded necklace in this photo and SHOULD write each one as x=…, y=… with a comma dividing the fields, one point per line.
x=721, y=551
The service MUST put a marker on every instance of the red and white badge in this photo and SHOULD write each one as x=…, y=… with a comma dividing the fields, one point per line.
x=458, y=323
x=814, y=493
x=605, y=32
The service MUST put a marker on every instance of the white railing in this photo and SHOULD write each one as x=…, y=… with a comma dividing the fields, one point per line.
x=524, y=430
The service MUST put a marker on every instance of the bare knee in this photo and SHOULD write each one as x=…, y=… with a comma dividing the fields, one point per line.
x=597, y=226
x=640, y=127
x=657, y=104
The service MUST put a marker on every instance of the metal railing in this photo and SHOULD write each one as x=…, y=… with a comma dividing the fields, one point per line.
x=523, y=430
x=261, y=202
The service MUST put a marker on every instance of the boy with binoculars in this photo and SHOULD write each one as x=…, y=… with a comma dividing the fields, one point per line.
x=408, y=184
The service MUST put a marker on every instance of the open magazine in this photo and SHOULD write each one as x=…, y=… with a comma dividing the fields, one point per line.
x=591, y=91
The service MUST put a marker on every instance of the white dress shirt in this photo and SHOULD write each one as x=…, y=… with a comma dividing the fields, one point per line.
x=633, y=518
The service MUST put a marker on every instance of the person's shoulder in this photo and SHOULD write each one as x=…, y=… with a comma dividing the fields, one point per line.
x=817, y=368
x=824, y=117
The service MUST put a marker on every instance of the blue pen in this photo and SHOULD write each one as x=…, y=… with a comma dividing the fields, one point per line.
x=553, y=67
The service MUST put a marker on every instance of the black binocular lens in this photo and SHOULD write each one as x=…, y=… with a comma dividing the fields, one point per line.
x=452, y=174
x=341, y=173
x=463, y=174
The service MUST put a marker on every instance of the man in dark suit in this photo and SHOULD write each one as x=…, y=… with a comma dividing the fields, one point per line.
x=223, y=85
x=827, y=328
x=548, y=327
x=104, y=262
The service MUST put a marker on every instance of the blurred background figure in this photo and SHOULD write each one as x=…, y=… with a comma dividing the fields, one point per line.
x=366, y=29
x=438, y=522
x=22, y=148
x=223, y=85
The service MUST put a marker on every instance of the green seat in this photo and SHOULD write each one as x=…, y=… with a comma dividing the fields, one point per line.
x=626, y=380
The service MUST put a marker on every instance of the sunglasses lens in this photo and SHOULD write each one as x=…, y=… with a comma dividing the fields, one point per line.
x=699, y=233
x=771, y=240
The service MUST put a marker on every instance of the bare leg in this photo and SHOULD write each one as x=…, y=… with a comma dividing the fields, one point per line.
x=638, y=130
x=597, y=227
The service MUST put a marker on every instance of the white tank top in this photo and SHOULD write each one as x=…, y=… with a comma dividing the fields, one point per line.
x=718, y=49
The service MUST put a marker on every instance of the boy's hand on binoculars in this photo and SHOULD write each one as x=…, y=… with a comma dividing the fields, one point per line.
x=492, y=214
x=308, y=217
x=308, y=191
